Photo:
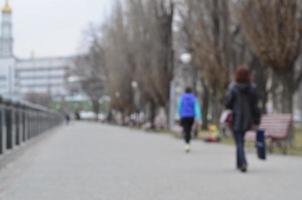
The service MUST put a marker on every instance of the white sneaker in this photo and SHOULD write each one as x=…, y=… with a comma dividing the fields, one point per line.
x=187, y=148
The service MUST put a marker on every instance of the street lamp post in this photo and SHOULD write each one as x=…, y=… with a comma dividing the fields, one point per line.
x=175, y=90
x=172, y=104
x=135, y=88
x=190, y=76
x=185, y=58
x=134, y=85
x=117, y=95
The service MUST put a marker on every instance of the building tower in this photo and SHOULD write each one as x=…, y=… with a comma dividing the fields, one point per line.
x=6, y=45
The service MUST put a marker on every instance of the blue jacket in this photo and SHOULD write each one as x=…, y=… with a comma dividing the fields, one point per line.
x=188, y=106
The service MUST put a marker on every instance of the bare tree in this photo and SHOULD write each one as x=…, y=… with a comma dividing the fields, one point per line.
x=136, y=44
x=91, y=72
x=139, y=48
x=273, y=29
x=207, y=25
x=213, y=33
x=119, y=62
x=151, y=22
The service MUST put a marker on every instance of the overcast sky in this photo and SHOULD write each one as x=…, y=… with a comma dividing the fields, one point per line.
x=54, y=27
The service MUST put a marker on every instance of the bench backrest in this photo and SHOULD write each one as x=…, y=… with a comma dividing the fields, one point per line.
x=277, y=126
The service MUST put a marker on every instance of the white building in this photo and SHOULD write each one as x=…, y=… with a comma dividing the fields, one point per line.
x=42, y=75
x=7, y=60
x=19, y=77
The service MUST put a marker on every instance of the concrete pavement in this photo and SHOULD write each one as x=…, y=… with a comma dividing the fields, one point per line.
x=87, y=161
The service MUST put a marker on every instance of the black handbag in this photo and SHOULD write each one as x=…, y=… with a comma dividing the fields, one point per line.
x=260, y=144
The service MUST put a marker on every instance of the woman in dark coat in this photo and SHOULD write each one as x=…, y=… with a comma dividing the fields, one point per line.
x=242, y=100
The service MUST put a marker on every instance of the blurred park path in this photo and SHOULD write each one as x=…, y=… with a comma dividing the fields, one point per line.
x=98, y=162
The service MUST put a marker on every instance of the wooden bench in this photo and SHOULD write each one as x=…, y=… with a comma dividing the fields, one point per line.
x=278, y=130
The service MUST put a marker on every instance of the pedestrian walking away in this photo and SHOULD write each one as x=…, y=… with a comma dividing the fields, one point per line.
x=67, y=118
x=189, y=112
x=242, y=100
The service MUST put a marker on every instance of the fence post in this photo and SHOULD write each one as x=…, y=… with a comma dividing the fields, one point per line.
x=2, y=128
x=29, y=124
x=9, y=115
x=24, y=132
x=20, y=122
x=17, y=124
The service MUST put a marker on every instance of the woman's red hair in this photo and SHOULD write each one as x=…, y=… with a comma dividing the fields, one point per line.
x=242, y=75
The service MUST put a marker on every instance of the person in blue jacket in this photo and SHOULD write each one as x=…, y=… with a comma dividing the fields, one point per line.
x=189, y=112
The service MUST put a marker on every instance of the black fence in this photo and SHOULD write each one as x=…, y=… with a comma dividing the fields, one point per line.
x=20, y=122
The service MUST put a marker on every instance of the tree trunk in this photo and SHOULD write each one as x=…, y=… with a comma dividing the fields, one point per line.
x=216, y=109
x=205, y=108
x=287, y=92
x=96, y=109
x=287, y=97
x=123, y=118
x=264, y=101
x=261, y=75
x=275, y=93
x=167, y=113
x=300, y=97
x=152, y=114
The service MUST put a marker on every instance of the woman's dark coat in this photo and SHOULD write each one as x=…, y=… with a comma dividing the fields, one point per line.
x=242, y=99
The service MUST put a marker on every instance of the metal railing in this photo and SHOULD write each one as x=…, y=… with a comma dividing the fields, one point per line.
x=20, y=122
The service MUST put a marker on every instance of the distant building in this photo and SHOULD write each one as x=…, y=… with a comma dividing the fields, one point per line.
x=19, y=77
x=42, y=75
x=7, y=59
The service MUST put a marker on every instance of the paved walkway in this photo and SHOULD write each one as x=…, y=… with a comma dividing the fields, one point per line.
x=94, y=162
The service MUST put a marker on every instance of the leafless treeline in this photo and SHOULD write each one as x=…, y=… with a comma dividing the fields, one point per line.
x=137, y=45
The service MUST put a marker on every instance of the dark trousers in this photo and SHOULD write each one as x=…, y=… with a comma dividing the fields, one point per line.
x=187, y=124
x=239, y=139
